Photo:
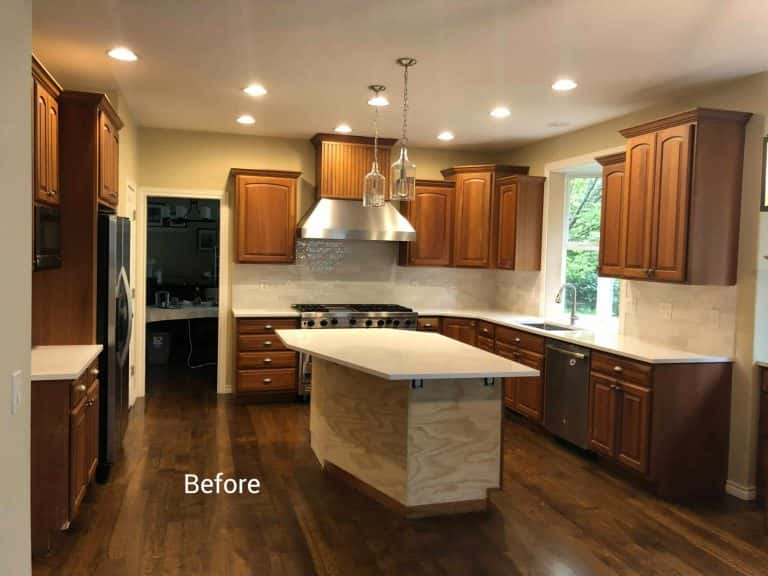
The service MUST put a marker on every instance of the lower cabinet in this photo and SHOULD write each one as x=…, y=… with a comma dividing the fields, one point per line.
x=64, y=452
x=461, y=329
x=523, y=395
x=266, y=369
x=429, y=324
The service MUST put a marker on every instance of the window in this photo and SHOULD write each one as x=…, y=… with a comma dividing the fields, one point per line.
x=597, y=298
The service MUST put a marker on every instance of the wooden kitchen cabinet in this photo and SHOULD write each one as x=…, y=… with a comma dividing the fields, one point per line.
x=109, y=154
x=46, y=92
x=64, y=452
x=475, y=212
x=681, y=200
x=611, y=210
x=431, y=214
x=429, y=324
x=342, y=161
x=461, y=329
x=266, y=215
x=518, y=229
x=527, y=396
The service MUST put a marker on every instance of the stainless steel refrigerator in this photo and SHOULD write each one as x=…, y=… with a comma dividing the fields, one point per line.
x=114, y=325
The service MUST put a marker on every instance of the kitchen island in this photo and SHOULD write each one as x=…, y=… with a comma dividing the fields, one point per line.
x=411, y=418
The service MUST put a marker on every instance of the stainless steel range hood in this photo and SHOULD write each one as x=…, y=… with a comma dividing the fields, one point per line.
x=349, y=220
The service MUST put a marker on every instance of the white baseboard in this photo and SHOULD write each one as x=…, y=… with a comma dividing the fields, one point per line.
x=740, y=491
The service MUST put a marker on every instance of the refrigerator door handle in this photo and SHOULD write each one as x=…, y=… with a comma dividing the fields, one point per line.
x=129, y=331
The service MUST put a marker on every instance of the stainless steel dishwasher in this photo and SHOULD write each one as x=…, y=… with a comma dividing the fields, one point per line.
x=566, y=411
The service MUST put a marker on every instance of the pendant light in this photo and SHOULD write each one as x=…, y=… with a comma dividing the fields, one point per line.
x=403, y=170
x=374, y=184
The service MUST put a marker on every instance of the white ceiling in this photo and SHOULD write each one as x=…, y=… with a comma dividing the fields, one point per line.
x=316, y=58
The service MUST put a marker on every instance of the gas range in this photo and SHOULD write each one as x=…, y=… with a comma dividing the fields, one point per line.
x=356, y=316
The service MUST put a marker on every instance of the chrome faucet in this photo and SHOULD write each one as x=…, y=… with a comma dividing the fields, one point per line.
x=559, y=299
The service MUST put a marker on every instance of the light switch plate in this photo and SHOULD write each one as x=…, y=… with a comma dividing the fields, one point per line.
x=16, y=391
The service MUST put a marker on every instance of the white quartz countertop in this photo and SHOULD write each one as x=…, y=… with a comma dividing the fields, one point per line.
x=402, y=354
x=264, y=312
x=604, y=341
x=62, y=362
x=157, y=314
x=762, y=364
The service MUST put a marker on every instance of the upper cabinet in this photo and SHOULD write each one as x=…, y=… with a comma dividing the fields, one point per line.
x=109, y=146
x=46, y=92
x=475, y=210
x=612, y=206
x=343, y=161
x=266, y=215
x=680, y=200
x=431, y=215
x=519, y=209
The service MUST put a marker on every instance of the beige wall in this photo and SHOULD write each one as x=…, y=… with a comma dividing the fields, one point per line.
x=15, y=309
x=709, y=319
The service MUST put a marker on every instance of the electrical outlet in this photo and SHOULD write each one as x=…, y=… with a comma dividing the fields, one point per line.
x=666, y=310
x=17, y=385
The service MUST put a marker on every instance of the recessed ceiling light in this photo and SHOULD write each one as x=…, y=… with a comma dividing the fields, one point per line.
x=246, y=119
x=445, y=136
x=123, y=54
x=255, y=90
x=500, y=112
x=564, y=85
x=343, y=129
x=378, y=100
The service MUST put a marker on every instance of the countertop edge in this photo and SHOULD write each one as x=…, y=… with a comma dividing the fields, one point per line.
x=73, y=375
x=264, y=313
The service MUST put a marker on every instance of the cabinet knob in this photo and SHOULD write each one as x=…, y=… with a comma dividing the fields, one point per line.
x=267, y=380
x=94, y=372
x=267, y=360
x=618, y=369
x=268, y=327
x=427, y=325
x=517, y=339
x=80, y=387
x=268, y=343
x=485, y=330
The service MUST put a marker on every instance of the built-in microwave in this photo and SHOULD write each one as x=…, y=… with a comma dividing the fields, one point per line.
x=47, y=237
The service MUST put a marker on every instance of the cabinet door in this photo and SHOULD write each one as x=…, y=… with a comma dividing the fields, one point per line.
x=529, y=393
x=634, y=426
x=510, y=389
x=107, y=160
x=431, y=214
x=602, y=414
x=461, y=329
x=473, y=220
x=41, y=135
x=610, y=221
x=53, y=149
x=78, y=457
x=529, y=224
x=669, y=240
x=636, y=214
x=266, y=219
x=92, y=425
x=507, y=236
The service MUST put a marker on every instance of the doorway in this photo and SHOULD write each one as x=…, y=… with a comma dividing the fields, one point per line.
x=182, y=291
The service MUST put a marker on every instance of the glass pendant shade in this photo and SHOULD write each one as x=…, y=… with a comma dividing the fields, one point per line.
x=403, y=178
x=374, y=187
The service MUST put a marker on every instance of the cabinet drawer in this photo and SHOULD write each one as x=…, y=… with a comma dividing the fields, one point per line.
x=265, y=380
x=81, y=385
x=251, y=360
x=429, y=324
x=621, y=368
x=259, y=342
x=525, y=340
x=265, y=325
x=486, y=330
x=485, y=343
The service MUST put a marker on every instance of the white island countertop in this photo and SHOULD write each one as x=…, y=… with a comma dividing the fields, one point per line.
x=62, y=362
x=402, y=354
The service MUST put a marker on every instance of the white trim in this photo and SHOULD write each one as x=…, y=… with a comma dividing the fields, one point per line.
x=223, y=381
x=740, y=491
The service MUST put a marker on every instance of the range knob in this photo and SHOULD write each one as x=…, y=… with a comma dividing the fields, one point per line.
x=380, y=323
x=334, y=321
x=389, y=321
x=368, y=322
x=396, y=323
x=310, y=323
x=408, y=322
x=352, y=321
x=323, y=322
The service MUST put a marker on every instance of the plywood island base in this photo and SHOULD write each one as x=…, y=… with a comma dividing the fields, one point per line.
x=424, y=447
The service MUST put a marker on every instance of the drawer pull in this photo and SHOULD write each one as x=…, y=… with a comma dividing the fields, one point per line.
x=267, y=380
x=268, y=327
x=485, y=330
x=618, y=369
x=427, y=325
x=517, y=339
x=267, y=360
x=268, y=343
x=95, y=372
x=80, y=387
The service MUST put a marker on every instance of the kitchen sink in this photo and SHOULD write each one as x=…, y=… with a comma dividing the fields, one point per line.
x=547, y=326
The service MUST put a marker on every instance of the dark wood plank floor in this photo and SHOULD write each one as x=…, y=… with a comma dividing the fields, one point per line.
x=559, y=513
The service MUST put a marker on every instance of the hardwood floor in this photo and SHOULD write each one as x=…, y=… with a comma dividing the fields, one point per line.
x=558, y=514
